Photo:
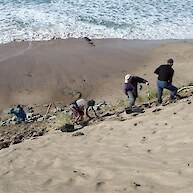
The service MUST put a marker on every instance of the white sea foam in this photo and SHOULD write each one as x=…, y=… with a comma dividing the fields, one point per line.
x=129, y=19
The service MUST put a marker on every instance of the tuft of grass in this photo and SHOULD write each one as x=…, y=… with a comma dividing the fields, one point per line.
x=190, y=83
x=61, y=119
x=119, y=105
x=143, y=97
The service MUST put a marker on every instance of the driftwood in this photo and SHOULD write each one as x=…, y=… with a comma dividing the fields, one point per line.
x=89, y=41
x=184, y=88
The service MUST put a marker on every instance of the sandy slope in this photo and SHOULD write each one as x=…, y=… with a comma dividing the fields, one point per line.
x=42, y=72
x=148, y=153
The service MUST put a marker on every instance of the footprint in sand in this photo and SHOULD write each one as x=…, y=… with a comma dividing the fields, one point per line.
x=57, y=163
x=100, y=186
x=47, y=182
x=143, y=140
x=43, y=164
x=78, y=179
x=10, y=173
x=98, y=140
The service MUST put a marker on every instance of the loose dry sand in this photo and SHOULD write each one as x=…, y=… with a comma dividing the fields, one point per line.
x=148, y=153
x=151, y=152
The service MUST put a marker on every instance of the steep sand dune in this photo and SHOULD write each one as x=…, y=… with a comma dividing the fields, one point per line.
x=151, y=152
x=41, y=72
x=148, y=153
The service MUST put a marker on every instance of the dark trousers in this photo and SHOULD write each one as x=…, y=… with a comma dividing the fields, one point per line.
x=131, y=98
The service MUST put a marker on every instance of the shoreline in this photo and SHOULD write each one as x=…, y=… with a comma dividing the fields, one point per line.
x=44, y=71
x=99, y=39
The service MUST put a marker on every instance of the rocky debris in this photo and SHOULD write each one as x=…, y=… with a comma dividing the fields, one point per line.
x=67, y=128
x=107, y=114
x=12, y=132
x=11, y=136
x=83, y=123
x=134, y=110
x=31, y=117
x=118, y=118
x=4, y=144
x=30, y=109
x=77, y=134
x=135, y=114
x=136, y=184
x=156, y=110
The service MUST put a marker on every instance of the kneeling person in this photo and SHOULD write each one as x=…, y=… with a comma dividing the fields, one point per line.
x=19, y=113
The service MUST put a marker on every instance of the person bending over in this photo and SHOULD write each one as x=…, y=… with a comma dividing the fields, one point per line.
x=80, y=108
x=19, y=113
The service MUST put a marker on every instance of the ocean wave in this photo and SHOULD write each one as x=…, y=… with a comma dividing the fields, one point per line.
x=128, y=19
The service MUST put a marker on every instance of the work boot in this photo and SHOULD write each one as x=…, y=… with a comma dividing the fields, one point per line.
x=128, y=110
x=172, y=100
x=159, y=102
x=178, y=97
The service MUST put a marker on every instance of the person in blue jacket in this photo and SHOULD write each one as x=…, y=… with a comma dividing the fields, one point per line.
x=130, y=88
x=19, y=113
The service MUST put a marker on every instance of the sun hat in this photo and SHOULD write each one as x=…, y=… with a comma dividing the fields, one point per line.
x=91, y=103
x=127, y=77
x=18, y=106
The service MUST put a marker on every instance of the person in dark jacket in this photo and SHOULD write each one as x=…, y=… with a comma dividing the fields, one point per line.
x=130, y=89
x=165, y=74
x=19, y=113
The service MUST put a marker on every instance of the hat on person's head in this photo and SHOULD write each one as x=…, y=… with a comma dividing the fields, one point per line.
x=18, y=106
x=91, y=103
x=127, y=77
x=170, y=61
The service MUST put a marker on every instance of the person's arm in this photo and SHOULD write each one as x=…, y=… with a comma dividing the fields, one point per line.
x=171, y=76
x=141, y=80
x=157, y=70
x=86, y=113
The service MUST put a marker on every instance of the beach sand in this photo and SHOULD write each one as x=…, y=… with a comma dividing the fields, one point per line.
x=151, y=152
x=148, y=153
x=43, y=72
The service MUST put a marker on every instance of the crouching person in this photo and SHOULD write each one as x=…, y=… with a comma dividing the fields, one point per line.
x=80, y=108
x=19, y=113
